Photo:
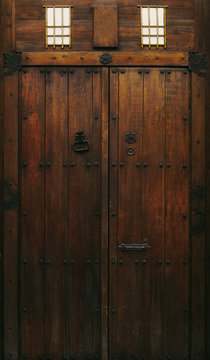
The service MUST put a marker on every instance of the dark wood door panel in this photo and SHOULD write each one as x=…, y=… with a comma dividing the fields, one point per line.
x=149, y=180
x=60, y=292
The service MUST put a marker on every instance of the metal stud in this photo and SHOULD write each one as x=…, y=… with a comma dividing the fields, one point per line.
x=71, y=71
x=162, y=71
x=88, y=164
x=198, y=141
x=185, y=72
x=114, y=71
x=169, y=72
x=145, y=165
x=48, y=71
x=88, y=261
x=120, y=262
x=72, y=262
x=72, y=164
x=96, y=71
x=184, y=310
x=24, y=213
x=114, y=164
x=96, y=213
x=185, y=118
x=25, y=164
x=96, y=261
x=144, y=261
x=184, y=166
x=147, y=71
x=161, y=165
x=113, y=311
x=140, y=71
x=48, y=262
x=184, y=216
x=96, y=117
x=113, y=262
x=113, y=214
x=122, y=164
x=41, y=164
x=48, y=164
x=168, y=262
x=96, y=163
x=136, y=262
x=65, y=261
x=138, y=165
x=24, y=310
x=184, y=262
x=24, y=261
x=41, y=71
x=160, y=262
x=122, y=71
x=41, y=261
x=114, y=117
x=168, y=165
x=25, y=117
x=64, y=164
x=88, y=71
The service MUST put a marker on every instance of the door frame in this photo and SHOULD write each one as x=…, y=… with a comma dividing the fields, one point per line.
x=11, y=189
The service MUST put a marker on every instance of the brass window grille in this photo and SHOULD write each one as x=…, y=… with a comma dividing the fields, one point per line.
x=153, y=25
x=58, y=25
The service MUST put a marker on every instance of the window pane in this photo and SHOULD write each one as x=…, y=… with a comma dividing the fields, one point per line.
x=161, y=31
x=58, y=40
x=58, y=31
x=50, y=16
x=145, y=20
x=50, y=41
x=50, y=31
x=153, y=31
x=153, y=40
x=146, y=40
x=66, y=40
x=161, y=16
x=153, y=16
x=161, y=40
x=66, y=16
x=66, y=31
x=145, y=31
x=58, y=16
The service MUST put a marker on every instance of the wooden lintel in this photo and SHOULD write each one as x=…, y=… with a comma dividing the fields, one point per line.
x=94, y=59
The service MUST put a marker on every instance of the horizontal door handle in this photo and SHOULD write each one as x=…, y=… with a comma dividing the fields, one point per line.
x=134, y=247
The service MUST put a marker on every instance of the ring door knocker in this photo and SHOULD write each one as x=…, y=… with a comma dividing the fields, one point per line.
x=81, y=144
x=130, y=138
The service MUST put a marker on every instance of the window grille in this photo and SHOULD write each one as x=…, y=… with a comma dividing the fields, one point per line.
x=153, y=25
x=58, y=25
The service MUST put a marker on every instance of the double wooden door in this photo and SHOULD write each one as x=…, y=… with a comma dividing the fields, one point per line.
x=104, y=217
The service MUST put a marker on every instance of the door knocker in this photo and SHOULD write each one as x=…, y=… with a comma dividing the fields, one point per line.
x=130, y=137
x=81, y=143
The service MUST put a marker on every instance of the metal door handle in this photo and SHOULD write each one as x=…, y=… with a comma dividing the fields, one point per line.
x=132, y=247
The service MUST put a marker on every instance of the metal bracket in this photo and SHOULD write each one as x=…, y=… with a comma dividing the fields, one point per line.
x=105, y=58
x=197, y=63
x=134, y=247
x=12, y=63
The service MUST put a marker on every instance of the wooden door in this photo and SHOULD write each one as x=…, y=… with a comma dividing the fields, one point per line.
x=149, y=181
x=60, y=251
x=65, y=312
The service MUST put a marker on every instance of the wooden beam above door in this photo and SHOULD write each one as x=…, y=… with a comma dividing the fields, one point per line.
x=104, y=58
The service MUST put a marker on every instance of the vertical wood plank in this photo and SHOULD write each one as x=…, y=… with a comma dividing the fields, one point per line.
x=129, y=211
x=32, y=213
x=177, y=250
x=153, y=138
x=198, y=218
x=113, y=208
x=56, y=212
x=11, y=216
x=10, y=170
x=104, y=213
x=96, y=191
x=81, y=214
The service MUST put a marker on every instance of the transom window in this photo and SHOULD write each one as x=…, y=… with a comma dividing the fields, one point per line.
x=58, y=26
x=153, y=26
